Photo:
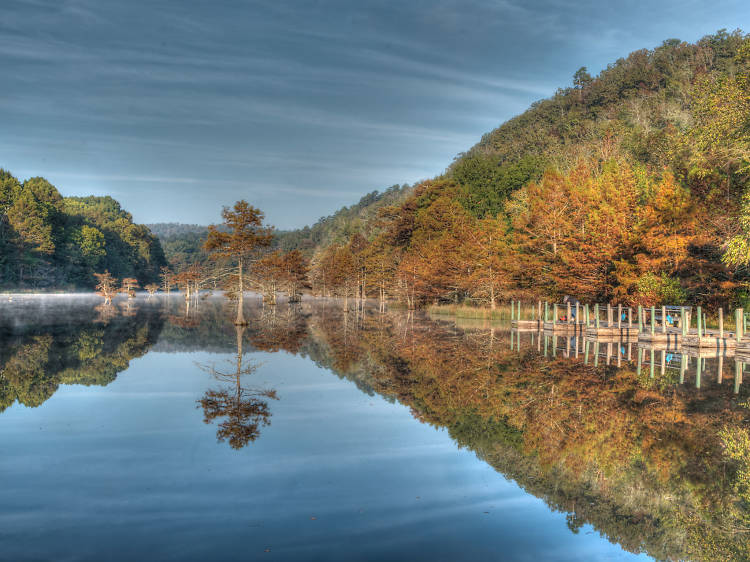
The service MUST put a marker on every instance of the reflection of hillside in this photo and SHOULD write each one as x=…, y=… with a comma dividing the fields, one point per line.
x=34, y=361
x=644, y=466
x=639, y=458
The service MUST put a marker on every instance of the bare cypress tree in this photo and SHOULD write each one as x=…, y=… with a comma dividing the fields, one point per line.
x=242, y=235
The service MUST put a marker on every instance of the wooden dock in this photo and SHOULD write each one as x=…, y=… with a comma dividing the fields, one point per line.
x=615, y=331
x=563, y=328
x=525, y=325
x=669, y=338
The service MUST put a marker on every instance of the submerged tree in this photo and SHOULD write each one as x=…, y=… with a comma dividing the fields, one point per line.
x=244, y=409
x=106, y=286
x=167, y=279
x=129, y=285
x=242, y=235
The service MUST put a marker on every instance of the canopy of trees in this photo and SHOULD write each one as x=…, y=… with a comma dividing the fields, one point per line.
x=47, y=240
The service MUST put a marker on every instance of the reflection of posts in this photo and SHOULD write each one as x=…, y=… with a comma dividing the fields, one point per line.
x=243, y=409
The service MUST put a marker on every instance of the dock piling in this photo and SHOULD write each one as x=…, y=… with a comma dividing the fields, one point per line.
x=700, y=325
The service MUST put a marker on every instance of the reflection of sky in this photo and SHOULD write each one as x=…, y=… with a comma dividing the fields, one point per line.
x=177, y=108
x=130, y=471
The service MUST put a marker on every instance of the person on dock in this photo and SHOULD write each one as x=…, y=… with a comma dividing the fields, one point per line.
x=573, y=302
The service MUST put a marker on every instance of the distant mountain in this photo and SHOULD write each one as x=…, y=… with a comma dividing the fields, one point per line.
x=183, y=243
x=167, y=230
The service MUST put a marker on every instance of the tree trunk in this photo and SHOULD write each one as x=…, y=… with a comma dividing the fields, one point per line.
x=240, y=321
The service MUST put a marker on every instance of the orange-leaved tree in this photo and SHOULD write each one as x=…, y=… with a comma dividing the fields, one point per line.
x=106, y=286
x=242, y=235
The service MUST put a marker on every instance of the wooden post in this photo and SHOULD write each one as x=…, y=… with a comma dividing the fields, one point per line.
x=698, y=363
x=609, y=315
x=721, y=323
x=663, y=319
x=683, y=367
x=619, y=316
x=539, y=312
x=596, y=316
x=567, y=313
x=737, y=376
x=640, y=318
x=586, y=314
x=738, y=314
x=554, y=314
x=586, y=352
x=653, y=320
x=684, y=322
x=630, y=317
x=512, y=309
x=518, y=316
x=700, y=325
x=651, y=374
x=578, y=318
x=546, y=311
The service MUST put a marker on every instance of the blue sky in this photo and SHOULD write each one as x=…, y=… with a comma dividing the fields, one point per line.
x=177, y=108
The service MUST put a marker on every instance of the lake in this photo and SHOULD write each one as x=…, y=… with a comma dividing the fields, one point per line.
x=156, y=431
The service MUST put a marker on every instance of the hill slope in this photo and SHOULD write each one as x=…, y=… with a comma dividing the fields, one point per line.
x=625, y=187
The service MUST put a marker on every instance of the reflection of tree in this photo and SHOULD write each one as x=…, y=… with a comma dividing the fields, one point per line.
x=244, y=409
x=274, y=330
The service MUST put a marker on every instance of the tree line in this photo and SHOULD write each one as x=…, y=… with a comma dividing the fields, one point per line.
x=50, y=241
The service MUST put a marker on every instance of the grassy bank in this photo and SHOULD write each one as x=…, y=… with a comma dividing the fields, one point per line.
x=502, y=312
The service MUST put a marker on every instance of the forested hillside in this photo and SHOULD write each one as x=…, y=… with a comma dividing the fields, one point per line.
x=182, y=243
x=360, y=218
x=47, y=240
x=629, y=187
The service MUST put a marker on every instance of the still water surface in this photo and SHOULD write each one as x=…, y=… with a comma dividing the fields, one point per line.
x=155, y=432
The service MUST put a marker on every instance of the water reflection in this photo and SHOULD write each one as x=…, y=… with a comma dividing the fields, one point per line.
x=648, y=445
x=242, y=407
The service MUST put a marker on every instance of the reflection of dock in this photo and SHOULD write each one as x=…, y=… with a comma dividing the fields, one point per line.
x=710, y=342
x=671, y=362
